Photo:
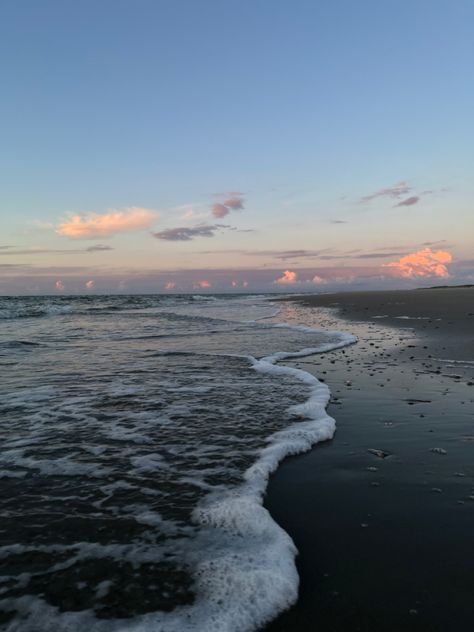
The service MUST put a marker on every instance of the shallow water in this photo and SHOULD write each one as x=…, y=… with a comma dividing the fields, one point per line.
x=138, y=434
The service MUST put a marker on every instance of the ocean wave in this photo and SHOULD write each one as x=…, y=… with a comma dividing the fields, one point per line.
x=32, y=311
x=117, y=452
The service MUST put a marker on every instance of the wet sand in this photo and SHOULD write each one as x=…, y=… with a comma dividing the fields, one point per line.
x=383, y=515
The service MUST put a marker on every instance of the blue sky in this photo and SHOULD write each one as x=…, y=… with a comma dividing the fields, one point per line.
x=303, y=109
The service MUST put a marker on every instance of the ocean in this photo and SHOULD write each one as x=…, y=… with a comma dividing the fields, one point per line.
x=138, y=434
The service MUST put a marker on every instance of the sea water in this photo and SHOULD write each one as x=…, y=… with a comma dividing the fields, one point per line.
x=137, y=437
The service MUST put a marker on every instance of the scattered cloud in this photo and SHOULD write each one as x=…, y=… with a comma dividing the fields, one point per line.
x=89, y=284
x=395, y=191
x=220, y=210
x=186, y=233
x=98, y=248
x=440, y=242
x=424, y=263
x=14, y=266
x=237, y=284
x=228, y=194
x=233, y=201
x=236, y=202
x=202, y=285
x=94, y=226
x=10, y=251
x=421, y=267
x=378, y=255
x=291, y=254
x=414, y=199
x=286, y=254
x=288, y=278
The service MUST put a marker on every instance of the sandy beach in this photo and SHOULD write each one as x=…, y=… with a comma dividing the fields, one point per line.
x=383, y=515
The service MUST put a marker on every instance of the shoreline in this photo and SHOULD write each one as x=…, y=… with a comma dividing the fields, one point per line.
x=383, y=514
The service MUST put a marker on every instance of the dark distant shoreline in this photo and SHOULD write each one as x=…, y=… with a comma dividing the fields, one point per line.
x=383, y=515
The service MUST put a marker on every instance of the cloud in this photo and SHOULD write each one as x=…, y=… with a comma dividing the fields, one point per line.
x=202, y=285
x=318, y=280
x=338, y=221
x=234, y=202
x=170, y=285
x=236, y=284
x=288, y=278
x=93, y=225
x=220, y=210
x=90, y=284
x=14, y=266
x=186, y=233
x=289, y=254
x=98, y=248
x=378, y=255
x=424, y=263
x=51, y=251
x=414, y=199
x=286, y=254
x=59, y=285
x=228, y=194
x=395, y=191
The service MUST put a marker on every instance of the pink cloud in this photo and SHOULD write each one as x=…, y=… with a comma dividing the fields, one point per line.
x=236, y=284
x=424, y=263
x=220, y=210
x=236, y=203
x=202, y=285
x=318, y=280
x=59, y=285
x=170, y=285
x=288, y=278
x=93, y=225
x=233, y=203
x=90, y=284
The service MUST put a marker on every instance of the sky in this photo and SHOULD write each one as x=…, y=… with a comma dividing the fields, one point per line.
x=235, y=145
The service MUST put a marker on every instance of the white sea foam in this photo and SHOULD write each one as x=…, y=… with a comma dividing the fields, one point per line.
x=203, y=297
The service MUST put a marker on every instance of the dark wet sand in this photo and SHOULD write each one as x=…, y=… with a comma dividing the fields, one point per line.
x=387, y=544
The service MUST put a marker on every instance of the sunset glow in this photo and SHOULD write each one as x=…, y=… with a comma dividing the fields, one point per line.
x=331, y=177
